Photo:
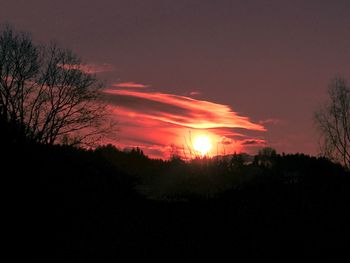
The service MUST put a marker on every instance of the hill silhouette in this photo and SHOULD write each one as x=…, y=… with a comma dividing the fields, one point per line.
x=100, y=205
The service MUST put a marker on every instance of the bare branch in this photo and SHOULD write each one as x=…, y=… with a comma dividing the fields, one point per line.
x=333, y=123
x=45, y=95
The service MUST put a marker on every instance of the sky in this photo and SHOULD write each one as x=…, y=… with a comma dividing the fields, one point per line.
x=247, y=74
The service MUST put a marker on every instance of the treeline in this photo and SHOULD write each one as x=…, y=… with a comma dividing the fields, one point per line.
x=74, y=204
x=204, y=178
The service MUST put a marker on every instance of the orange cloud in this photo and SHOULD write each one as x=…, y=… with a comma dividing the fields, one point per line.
x=226, y=141
x=130, y=85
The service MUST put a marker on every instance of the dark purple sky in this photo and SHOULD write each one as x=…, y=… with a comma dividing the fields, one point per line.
x=270, y=61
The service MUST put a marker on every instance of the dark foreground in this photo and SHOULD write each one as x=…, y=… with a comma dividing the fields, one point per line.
x=77, y=206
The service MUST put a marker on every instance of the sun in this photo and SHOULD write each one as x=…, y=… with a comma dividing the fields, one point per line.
x=202, y=144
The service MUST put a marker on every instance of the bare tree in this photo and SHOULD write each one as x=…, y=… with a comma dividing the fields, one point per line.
x=18, y=66
x=333, y=122
x=45, y=95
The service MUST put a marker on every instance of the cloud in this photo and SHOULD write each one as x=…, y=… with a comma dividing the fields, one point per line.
x=226, y=141
x=253, y=142
x=130, y=85
x=195, y=93
x=89, y=68
x=154, y=121
x=180, y=110
x=270, y=121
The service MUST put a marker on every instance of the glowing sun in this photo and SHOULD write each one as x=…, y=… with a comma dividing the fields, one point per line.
x=202, y=145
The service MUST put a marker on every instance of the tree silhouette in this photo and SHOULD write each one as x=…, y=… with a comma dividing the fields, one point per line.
x=265, y=157
x=45, y=94
x=333, y=121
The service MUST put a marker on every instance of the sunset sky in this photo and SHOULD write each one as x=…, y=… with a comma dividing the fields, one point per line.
x=244, y=73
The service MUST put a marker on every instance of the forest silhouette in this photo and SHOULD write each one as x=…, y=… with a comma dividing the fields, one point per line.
x=78, y=204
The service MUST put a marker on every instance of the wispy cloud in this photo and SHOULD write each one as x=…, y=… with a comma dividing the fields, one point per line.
x=90, y=68
x=159, y=120
x=270, y=121
x=253, y=142
x=195, y=93
x=130, y=85
x=181, y=110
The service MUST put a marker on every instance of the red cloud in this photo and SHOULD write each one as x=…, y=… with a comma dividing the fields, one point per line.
x=197, y=114
x=130, y=85
x=226, y=141
x=156, y=122
x=253, y=142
